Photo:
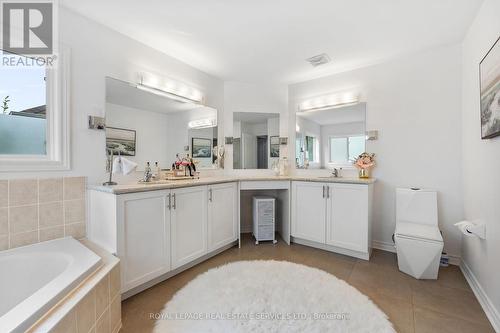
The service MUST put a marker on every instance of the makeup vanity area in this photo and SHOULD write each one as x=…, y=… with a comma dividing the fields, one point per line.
x=163, y=227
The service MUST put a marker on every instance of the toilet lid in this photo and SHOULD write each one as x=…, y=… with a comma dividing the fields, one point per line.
x=417, y=230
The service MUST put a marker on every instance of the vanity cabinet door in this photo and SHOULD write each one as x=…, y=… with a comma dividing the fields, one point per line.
x=188, y=224
x=347, y=225
x=222, y=215
x=143, y=237
x=309, y=211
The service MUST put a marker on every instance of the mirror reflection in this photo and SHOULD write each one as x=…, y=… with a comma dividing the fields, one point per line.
x=255, y=140
x=330, y=138
x=146, y=127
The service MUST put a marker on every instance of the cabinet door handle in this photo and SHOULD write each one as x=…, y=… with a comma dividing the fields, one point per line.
x=210, y=195
x=328, y=192
x=323, y=191
x=175, y=203
x=169, y=201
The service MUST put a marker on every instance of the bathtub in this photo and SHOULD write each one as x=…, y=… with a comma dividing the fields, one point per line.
x=36, y=277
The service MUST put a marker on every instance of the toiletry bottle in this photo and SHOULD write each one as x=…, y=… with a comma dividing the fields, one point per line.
x=157, y=170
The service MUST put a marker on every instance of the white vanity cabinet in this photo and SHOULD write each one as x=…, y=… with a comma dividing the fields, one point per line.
x=143, y=236
x=222, y=215
x=333, y=216
x=155, y=233
x=189, y=224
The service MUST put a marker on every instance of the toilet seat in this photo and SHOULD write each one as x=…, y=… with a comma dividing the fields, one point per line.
x=417, y=231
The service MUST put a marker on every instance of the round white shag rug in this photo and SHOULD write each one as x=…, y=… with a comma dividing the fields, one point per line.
x=269, y=296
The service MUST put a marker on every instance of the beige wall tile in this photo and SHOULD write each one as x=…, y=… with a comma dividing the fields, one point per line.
x=74, y=188
x=74, y=211
x=103, y=323
x=23, y=219
x=67, y=324
x=76, y=230
x=4, y=242
x=51, y=233
x=4, y=221
x=85, y=312
x=114, y=281
x=24, y=238
x=51, y=214
x=50, y=189
x=102, y=295
x=4, y=193
x=23, y=192
x=115, y=311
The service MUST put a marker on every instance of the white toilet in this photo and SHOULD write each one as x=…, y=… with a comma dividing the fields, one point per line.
x=418, y=240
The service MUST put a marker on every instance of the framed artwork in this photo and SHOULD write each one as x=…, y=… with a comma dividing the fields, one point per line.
x=121, y=141
x=274, y=147
x=489, y=77
x=201, y=148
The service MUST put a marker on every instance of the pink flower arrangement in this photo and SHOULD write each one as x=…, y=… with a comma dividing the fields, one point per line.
x=365, y=161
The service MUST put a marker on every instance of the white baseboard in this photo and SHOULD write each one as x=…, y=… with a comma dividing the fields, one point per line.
x=389, y=247
x=384, y=246
x=488, y=307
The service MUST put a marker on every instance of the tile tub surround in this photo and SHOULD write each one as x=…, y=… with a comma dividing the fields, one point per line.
x=36, y=210
x=94, y=306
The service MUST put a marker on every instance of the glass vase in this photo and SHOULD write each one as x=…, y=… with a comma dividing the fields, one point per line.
x=364, y=173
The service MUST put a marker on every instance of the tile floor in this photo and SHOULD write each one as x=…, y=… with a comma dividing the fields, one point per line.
x=445, y=305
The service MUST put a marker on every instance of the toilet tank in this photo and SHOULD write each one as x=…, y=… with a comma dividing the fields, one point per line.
x=417, y=206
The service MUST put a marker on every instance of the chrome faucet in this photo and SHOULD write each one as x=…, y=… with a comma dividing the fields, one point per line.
x=336, y=172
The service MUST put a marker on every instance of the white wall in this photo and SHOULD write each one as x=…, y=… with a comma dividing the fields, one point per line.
x=481, y=160
x=97, y=52
x=414, y=102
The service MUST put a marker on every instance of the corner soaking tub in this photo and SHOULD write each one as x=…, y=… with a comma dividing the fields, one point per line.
x=36, y=277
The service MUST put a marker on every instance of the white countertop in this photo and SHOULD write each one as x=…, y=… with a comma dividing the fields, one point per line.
x=170, y=184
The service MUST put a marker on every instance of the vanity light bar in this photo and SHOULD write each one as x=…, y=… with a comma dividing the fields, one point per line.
x=169, y=88
x=202, y=123
x=329, y=101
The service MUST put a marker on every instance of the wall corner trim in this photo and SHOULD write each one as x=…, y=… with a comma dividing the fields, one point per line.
x=488, y=307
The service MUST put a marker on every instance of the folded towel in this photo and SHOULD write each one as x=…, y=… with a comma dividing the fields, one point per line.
x=127, y=166
x=117, y=165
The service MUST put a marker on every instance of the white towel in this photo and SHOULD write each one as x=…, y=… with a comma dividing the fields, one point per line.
x=127, y=166
x=117, y=165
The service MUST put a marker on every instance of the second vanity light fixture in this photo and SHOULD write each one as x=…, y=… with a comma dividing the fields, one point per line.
x=329, y=101
x=202, y=123
x=169, y=88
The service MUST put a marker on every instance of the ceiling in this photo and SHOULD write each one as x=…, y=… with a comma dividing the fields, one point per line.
x=268, y=41
x=333, y=116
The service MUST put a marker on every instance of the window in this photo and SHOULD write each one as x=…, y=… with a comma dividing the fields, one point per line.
x=345, y=149
x=310, y=143
x=23, y=122
x=34, y=115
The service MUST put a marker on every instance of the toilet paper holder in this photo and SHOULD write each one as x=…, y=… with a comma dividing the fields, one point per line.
x=472, y=228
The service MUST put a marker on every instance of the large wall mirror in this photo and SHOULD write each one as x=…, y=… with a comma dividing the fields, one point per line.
x=146, y=127
x=330, y=138
x=255, y=140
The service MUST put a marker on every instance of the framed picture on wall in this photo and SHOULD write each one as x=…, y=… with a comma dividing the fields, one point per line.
x=121, y=141
x=489, y=77
x=201, y=148
x=274, y=147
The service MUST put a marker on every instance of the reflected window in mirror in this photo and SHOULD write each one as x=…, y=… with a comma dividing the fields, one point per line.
x=330, y=138
x=158, y=129
x=255, y=140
